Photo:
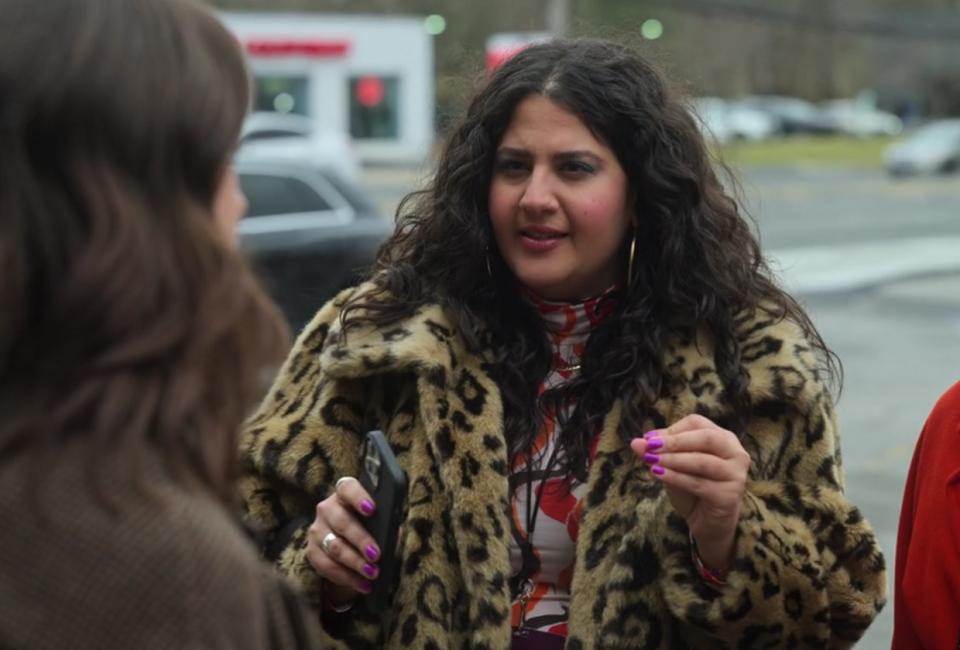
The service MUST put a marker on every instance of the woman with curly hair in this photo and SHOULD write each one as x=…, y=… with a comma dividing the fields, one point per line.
x=134, y=338
x=615, y=426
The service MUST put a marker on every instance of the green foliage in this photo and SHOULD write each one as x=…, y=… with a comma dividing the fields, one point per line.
x=813, y=151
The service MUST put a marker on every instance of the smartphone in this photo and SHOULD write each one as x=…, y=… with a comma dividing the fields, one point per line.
x=382, y=478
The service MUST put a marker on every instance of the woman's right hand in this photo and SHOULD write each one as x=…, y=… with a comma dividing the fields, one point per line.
x=348, y=562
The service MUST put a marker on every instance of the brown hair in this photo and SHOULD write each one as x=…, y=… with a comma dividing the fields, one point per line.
x=129, y=319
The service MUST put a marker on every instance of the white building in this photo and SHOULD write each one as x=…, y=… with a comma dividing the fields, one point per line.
x=369, y=76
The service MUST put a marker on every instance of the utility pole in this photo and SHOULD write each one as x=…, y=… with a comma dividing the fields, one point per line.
x=558, y=17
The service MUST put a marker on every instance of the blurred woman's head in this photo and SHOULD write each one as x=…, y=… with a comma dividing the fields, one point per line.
x=128, y=313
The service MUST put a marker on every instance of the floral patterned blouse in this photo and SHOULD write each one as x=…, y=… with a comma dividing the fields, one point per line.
x=551, y=556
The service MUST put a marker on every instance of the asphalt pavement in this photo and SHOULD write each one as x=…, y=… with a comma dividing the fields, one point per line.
x=876, y=261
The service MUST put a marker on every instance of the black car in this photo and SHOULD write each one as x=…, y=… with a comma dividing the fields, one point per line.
x=793, y=115
x=308, y=232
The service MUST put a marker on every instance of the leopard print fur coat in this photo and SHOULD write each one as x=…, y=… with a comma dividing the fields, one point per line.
x=808, y=571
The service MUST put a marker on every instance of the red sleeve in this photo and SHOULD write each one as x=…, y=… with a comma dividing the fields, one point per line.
x=927, y=583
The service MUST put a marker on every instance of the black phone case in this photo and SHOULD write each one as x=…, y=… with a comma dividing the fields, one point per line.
x=387, y=485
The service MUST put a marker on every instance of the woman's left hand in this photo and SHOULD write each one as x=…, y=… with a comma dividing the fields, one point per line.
x=704, y=470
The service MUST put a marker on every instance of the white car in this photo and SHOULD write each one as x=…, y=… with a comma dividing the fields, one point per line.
x=749, y=123
x=711, y=114
x=933, y=148
x=287, y=137
x=724, y=120
x=862, y=121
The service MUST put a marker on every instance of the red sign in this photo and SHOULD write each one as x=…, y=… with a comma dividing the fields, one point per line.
x=496, y=58
x=503, y=46
x=291, y=47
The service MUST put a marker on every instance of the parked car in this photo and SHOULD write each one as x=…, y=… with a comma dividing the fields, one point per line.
x=861, y=121
x=748, y=123
x=711, y=114
x=792, y=114
x=933, y=148
x=287, y=136
x=309, y=232
x=725, y=120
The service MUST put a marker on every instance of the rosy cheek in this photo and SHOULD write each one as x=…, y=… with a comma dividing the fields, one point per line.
x=596, y=213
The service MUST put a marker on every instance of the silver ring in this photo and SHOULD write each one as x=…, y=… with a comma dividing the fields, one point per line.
x=342, y=480
x=327, y=540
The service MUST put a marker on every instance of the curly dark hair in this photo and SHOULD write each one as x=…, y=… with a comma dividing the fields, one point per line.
x=699, y=265
x=130, y=321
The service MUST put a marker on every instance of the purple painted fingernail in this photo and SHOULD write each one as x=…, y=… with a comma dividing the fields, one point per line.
x=651, y=434
x=372, y=553
x=370, y=570
x=366, y=507
x=654, y=443
x=366, y=587
x=658, y=470
x=651, y=458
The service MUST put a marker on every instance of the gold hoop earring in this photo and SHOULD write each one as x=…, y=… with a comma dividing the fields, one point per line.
x=633, y=252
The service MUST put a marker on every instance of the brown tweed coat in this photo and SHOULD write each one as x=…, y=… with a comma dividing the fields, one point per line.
x=171, y=569
x=808, y=572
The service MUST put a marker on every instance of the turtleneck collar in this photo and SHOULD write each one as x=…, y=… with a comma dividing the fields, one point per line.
x=565, y=319
x=569, y=325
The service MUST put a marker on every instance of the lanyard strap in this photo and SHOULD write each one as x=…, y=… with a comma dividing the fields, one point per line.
x=527, y=560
